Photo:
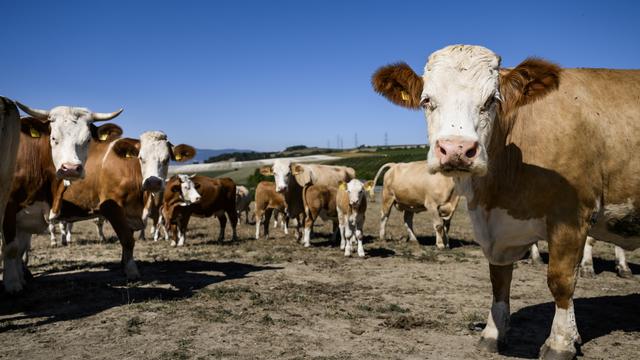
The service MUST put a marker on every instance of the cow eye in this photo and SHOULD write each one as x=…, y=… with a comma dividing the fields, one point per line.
x=427, y=104
x=196, y=186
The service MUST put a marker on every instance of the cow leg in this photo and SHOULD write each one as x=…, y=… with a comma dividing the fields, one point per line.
x=359, y=235
x=258, y=218
x=246, y=217
x=174, y=230
x=493, y=335
x=586, y=265
x=14, y=267
x=65, y=230
x=182, y=234
x=308, y=225
x=385, y=210
x=565, y=249
x=141, y=236
x=233, y=218
x=157, y=223
x=223, y=225
x=341, y=226
x=621, y=264
x=534, y=254
x=115, y=215
x=267, y=219
x=100, y=229
x=52, y=234
x=285, y=223
x=408, y=223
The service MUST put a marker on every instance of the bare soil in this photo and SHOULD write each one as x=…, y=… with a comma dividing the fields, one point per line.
x=275, y=299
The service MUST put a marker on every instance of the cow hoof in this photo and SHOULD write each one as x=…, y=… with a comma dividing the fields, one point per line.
x=548, y=353
x=173, y=244
x=625, y=273
x=490, y=345
x=587, y=272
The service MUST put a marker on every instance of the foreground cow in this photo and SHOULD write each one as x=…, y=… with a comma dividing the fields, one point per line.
x=215, y=197
x=121, y=171
x=320, y=202
x=9, y=139
x=412, y=189
x=291, y=178
x=540, y=153
x=243, y=200
x=52, y=152
x=351, y=206
x=268, y=201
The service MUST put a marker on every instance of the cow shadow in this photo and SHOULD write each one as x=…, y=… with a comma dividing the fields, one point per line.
x=453, y=242
x=596, y=317
x=599, y=265
x=78, y=290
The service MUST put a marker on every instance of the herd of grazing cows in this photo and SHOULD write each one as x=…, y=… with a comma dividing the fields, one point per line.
x=539, y=153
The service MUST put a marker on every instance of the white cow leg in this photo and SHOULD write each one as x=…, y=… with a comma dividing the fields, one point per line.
x=52, y=235
x=383, y=226
x=586, y=265
x=621, y=264
x=285, y=225
x=343, y=240
x=493, y=335
x=442, y=240
x=306, y=241
x=257, y=228
x=536, y=259
x=408, y=223
x=181, y=237
x=564, y=333
x=67, y=232
x=360, y=247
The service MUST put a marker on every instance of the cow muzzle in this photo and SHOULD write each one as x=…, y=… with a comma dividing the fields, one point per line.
x=152, y=184
x=68, y=171
x=456, y=153
x=281, y=189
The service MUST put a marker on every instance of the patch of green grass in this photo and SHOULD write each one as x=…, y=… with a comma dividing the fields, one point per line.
x=267, y=320
x=392, y=308
x=367, y=166
x=133, y=326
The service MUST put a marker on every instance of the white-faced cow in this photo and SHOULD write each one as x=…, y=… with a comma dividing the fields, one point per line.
x=351, y=206
x=539, y=152
x=412, y=189
x=52, y=153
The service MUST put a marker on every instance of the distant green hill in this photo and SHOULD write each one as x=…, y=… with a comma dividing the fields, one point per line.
x=367, y=165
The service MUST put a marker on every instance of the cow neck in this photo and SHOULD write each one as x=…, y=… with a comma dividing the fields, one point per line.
x=293, y=193
x=36, y=172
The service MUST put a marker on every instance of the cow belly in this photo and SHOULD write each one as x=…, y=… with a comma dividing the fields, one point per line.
x=32, y=219
x=504, y=239
x=618, y=224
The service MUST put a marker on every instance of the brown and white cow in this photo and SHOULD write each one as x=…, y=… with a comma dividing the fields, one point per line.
x=412, y=189
x=351, y=206
x=268, y=201
x=121, y=171
x=539, y=152
x=214, y=197
x=320, y=202
x=9, y=139
x=52, y=152
x=243, y=200
x=290, y=179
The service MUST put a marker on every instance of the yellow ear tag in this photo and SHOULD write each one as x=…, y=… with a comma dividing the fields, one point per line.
x=104, y=136
x=34, y=133
x=178, y=157
x=404, y=95
x=342, y=186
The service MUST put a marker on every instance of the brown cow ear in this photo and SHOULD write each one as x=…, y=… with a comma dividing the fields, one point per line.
x=183, y=152
x=127, y=148
x=176, y=188
x=531, y=80
x=106, y=132
x=399, y=84
x=34, y=128
x=266, y=171
x=297, y=170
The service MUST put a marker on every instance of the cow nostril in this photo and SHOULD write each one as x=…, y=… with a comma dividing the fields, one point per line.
x=470, y=153
x=442, y=150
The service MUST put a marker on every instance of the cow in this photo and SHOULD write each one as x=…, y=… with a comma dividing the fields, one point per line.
x=290, y=179
x=9, y=139
x=351, y=206
x=121, y=171
x=52, y=152
x=540, y=152
x=268, y=201
x=320, y=202
x=412, y=189
x=243, y=200
x=586, y=264
x=217, y=197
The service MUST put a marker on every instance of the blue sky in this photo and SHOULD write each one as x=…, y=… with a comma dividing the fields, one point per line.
x=268, y=74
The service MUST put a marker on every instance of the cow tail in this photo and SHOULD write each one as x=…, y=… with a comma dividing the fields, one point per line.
x=375, y=180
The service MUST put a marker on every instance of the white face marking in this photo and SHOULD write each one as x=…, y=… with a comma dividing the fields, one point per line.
x=281, y=171
x=70, y=136
x=355, y=190
x=154, y=159
x=188, y=190
x=460, y=96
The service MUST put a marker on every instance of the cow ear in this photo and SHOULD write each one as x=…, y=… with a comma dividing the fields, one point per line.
x=176, y=188
x=297, y=169
x=399, y=84
x=368, y=185
x=266, y=171
x=106, y=132
x=127, y=148
x=183, y=152
x=34, y=128
x=531, y=80
x=342, y=185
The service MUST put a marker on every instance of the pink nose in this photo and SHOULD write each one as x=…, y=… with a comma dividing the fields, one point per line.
x=456, y=153
x=70, y=171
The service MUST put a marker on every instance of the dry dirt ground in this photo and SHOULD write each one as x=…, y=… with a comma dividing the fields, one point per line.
x=275, y=299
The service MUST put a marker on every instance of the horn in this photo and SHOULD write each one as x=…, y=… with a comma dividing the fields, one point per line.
x=36, y=113
x=105, y=116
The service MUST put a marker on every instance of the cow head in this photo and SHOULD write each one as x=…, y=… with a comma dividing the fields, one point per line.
x=282, y=171
x=69, y=130
x=187, y=189
x=154, y=152
x=356, y=190
x=463, y=91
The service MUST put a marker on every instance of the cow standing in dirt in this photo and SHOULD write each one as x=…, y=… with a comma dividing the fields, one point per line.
x=243, y=202
x=540, y=153
x=412, y=189
x=319, y=202
x=217, y=197
x=268, y=201
x=351, y=206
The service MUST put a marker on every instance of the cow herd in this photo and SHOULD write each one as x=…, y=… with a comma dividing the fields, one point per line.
x=539, y=152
